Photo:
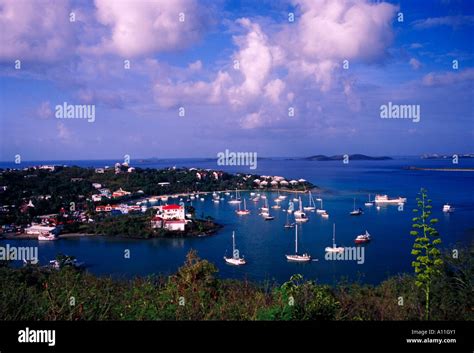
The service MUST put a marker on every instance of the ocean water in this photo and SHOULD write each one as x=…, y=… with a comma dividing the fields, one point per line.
x=265, y=243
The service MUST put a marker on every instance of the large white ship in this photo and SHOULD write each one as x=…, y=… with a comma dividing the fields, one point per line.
x=385, y=199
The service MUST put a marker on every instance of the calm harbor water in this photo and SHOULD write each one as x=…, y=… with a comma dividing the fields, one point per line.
x=265, y=243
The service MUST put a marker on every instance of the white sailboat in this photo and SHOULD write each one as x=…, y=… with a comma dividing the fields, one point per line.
x=369, y=203
x=265, y=208
x=288, y=224
x=244, y=211
x=311, y=205
x=334, y=248
x=320, y=210
x=300, y=216
x=235, y=259
x=355, y=212
x=298, y=258
x=237, y=198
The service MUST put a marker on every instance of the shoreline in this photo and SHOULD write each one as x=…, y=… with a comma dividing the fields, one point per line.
x=442, y=169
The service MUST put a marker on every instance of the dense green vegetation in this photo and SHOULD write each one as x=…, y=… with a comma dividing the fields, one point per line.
x=69, y=189
x=195, y=293
x=138, y=226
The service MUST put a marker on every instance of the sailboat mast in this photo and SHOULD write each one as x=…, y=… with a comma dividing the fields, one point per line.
x=334, y=235
x=296, y=239
x=233, y=243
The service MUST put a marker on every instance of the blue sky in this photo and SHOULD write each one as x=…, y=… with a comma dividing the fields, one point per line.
x=191, y=65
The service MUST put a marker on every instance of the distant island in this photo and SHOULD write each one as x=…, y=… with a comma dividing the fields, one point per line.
x=446, y=156
x=340, y=157
x=441, y=169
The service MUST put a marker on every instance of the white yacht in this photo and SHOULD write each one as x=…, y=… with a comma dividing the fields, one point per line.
x=385, y=199
x=447, y=208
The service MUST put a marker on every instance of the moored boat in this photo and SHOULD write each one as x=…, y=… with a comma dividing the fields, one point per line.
x=447, y=208
x=296, y=257
x=334, y=248
x=386, y=199
x=363, y=238
x=235, y=259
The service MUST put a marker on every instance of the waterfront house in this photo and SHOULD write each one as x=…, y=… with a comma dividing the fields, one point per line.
x=105, y=192
x=171, y=212
x=99, y=170
x=102, y=208
x=120, y=193
x=96, y=197
x=37, y=229
x=156, y=222
x=170, y=217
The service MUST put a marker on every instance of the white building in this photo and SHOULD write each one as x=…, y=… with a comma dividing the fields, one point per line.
x=96, y=197
x=38, y=229
x=171, y=212
x=170, y=217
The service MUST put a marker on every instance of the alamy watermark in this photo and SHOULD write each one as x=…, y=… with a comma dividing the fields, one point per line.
x=354, y=253
x=400, y=111
x=78, y=111
x=237, y=158
x=18, y=253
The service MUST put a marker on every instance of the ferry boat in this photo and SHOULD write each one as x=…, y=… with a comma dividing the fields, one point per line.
x=334, y=248
x=385, y=199
x=363, y=238
x=295, y=257
x=235, y=260
x=447, y=208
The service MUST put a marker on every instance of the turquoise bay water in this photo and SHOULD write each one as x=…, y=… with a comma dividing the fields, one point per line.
x=265, y=243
